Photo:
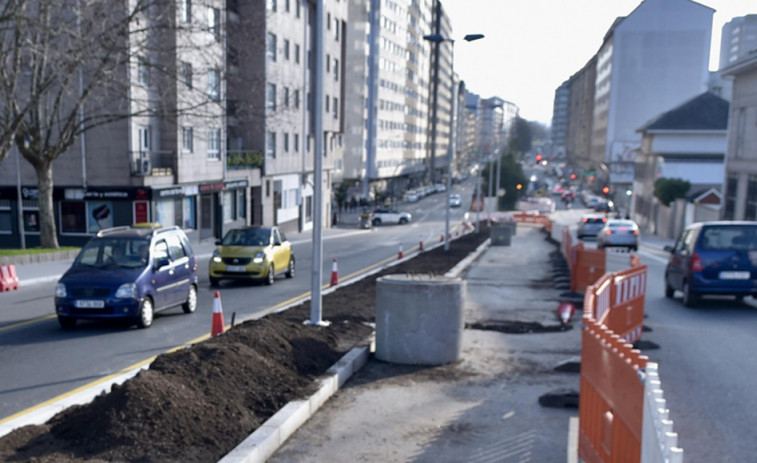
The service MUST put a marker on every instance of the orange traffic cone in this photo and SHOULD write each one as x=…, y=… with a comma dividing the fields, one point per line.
x=400, y=253
x=565, y=311
x=420, y=247
x=334, y=275
x=441, y=238
x=217, y=327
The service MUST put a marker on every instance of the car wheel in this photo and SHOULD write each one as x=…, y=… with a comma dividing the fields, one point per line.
x=270, y=277
x=689, y=296
x=290, y=269
x=403, y=221
x=214, y=281
x=669, y=291
x=376, y=222
x=67, y=323
x=146, y=313
x=191, y=303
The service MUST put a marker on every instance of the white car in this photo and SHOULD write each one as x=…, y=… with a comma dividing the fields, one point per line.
x=383, y=216
x=455, y=200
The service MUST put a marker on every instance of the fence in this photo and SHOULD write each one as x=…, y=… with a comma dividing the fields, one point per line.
x=586, y=265
x=536, y=218
x=659, y=442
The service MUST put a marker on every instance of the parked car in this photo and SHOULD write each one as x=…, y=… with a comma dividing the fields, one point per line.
x=384, y=216
x=590, y=225
x=455, y=200
x=410, y=196
x=619, y=233
x=604, y=205
x=252, y=253
x=717, y=258
x=128, y=273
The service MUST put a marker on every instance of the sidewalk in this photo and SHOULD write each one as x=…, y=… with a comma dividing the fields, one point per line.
x=484, y=407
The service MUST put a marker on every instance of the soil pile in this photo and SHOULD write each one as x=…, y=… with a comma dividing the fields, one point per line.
x=197, y=404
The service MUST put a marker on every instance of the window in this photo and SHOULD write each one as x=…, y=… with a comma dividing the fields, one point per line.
x=328, y=62
x=214, y=144
x=730, y=197
x=286, y=97
x=271, y=47
x=286, y=142
x=144, y=138
x=336, y=29
x=286, y=5
x=286, y=49
x=229, y=206
x=177, y=249
x=297, y=52
x=297, y=8
x=185, y=11
x=741, y=121
x=241, y=204
x=6, y=219
x=189, y=214
x=186, y=75
x=143, y=72
x=296, y=142
x=328, y=21
x=750, y=212
x=271, y=5
x=328, y=100
x=297, y=99
x=270, y=145
x=336, y=69
x=336, y=108
x=270, y=96
x=214, y=85
x=73, y=217
x=214, y=26
x=187, y=139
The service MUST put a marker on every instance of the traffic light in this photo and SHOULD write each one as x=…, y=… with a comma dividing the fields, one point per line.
x=538, y=159
x=572, y=176
x=519, y=186
x=606, y=190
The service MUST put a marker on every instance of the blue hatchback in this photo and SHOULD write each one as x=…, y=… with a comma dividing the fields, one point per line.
x=717, y=258
x=129, y=273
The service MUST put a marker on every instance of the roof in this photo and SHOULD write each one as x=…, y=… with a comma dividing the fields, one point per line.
x=706, y=111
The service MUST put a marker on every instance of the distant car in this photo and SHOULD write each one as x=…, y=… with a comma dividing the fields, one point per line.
x=129, y=273
x=455, y=200
x=591, y=201
x=619, y=233
x=604, y=206
x=385, y=216
x=410, y=196
x=252, y=253
x=558, y=190
x=440, y=188
x=718, y=258
x=590, y=225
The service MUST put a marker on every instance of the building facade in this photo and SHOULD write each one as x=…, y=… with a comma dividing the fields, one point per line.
x=738, y=39
x=559, y=128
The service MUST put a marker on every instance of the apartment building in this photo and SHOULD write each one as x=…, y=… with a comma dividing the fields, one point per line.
x=655, y=58
x=738, y=39
x=559, y=128
x=580, y=117
x=163, y=159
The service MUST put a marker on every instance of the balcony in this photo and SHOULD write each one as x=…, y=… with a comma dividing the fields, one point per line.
x=241, y=160
x=152, y=163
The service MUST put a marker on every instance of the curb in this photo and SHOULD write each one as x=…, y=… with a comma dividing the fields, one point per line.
x=264, y=442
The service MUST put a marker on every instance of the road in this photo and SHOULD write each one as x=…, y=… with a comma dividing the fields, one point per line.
x=41, y=361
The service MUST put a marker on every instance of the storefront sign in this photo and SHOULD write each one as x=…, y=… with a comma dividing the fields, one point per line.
x=236, y=184
x=211, y=187
x=170, y=192
x=102, y=193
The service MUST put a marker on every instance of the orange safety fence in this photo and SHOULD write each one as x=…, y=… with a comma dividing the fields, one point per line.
x=537, y=218
x=587, y=265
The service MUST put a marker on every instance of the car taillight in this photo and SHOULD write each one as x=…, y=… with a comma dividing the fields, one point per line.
x=604, y=219
x=585, y=220
x=696, y=263
x=608, y=232
x=636, y=232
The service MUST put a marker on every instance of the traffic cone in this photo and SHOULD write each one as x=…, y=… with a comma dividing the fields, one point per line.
x=400, y=253
x=441, y=238
x=217, y=327
x=565, y=311
x=420, y=247
x=334, y=274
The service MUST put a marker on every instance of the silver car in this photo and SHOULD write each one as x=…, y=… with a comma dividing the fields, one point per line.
x=590, y=225
x=619, y=233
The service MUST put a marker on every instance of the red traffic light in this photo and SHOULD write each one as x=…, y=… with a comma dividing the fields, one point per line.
x=538, y=157
x=572, y=176
x=606, y=190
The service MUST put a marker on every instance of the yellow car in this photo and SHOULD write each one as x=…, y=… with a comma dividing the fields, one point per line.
x=251, y=253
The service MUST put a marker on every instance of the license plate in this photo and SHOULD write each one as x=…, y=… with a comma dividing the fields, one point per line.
x=734, y=275
x=88, y=304
x=236, y=268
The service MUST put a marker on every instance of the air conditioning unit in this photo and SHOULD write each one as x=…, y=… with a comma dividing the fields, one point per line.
x=142, y=166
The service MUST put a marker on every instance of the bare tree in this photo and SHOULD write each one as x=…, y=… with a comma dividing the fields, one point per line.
x=65, y=65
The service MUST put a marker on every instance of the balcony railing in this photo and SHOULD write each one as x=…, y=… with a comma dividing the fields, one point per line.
x=239, y=160
x=152, y=163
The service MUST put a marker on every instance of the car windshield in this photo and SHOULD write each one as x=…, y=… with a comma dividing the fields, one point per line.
x=248, y=237
x=114, y=252
x=729, y=237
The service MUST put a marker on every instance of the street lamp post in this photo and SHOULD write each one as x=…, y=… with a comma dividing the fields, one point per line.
x=437, y=39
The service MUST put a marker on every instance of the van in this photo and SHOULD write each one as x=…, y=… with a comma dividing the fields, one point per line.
x=129, y=273
x=713, y=258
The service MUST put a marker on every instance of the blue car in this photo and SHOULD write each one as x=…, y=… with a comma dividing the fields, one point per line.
x=129, y=273
x=715, y=258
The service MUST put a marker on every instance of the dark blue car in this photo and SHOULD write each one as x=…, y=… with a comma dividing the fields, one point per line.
x=129, y=273
x=715, y=258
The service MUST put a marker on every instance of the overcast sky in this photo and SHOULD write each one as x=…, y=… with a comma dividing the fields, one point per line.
x=532, y=46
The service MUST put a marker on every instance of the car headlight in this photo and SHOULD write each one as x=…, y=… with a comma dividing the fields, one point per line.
x=216, y=257
x=127, y=291
x=259, y=257
x=60, y=290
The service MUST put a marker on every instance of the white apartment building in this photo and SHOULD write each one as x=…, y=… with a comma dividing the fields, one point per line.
x=655, y=58
x=738, y=39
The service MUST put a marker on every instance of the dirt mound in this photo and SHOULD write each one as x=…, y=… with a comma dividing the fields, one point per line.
x=197, y=404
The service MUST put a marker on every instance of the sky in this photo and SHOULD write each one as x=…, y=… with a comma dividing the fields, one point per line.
x=532, y=46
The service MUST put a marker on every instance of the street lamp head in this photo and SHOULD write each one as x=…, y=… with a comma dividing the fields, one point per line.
x=434, y=38
x=472, y=37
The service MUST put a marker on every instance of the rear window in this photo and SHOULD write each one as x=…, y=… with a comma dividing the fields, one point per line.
x=619, y=224
x=728, y=237
x=594, y=220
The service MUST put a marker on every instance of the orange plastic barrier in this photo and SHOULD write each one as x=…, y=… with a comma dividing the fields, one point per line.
x=635, y=260
x=617, y=301
x=611, y=405
x=587, y=266
x=533, y=218
x=8, y=277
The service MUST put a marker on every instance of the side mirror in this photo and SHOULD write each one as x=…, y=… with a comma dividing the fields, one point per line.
x=218, y=242
x=668, y=248
x=162, y=262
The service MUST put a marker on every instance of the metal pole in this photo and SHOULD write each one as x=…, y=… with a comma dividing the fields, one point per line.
x=478, y=193
x=491, y=185
x=499, y=170
x=435, y=91
x=20, y=202
x=450, y=153
x=318, y=95
x=370, y=137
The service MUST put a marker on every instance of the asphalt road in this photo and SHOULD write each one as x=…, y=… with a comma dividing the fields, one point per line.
x=40, y=361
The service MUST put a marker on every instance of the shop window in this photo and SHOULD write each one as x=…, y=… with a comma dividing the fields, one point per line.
x=228, y=206
x=6, y=218
x=73, y=217
x=189, y=213
x=241, y=204
x=165, y=212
